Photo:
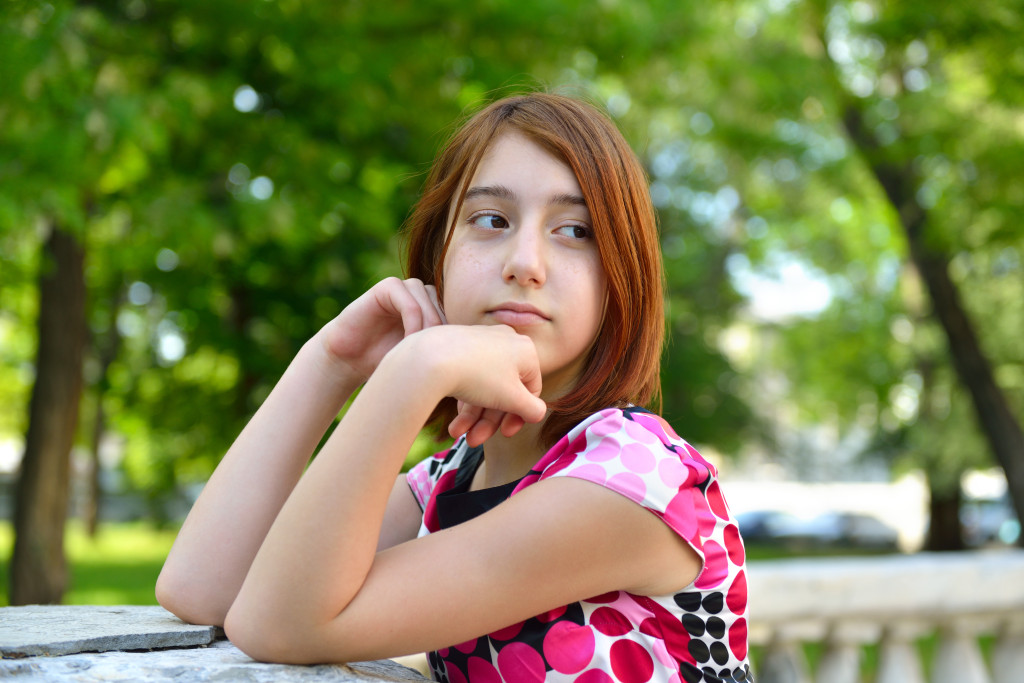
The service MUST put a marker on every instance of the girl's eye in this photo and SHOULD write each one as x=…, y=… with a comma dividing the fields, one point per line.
x=490, y=221
x=580, y=232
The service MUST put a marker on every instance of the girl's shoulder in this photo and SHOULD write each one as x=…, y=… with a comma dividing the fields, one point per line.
x=637, y=454
x=632, y=439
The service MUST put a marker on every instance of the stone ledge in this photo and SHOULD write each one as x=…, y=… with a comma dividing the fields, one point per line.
x=35, y=630
x=221, y=661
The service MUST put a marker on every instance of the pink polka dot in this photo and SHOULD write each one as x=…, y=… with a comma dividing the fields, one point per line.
x=706, y=521
x=569, y=647
x=551, y=615
x=631, y=663
x=610, y=621
x=716, y=501
x=677, y=639
x=603, y=451
x=637, y=432
x=662, y=655
x=604, y=597
x=594, y=473
x=736, y=598
x=674, y=473
x=629, y=484
x=716, y=566
x=607, y=425
x=467, y=646
x=652, y=424
x=650, y=627
x=455, y=675
x=509, y=632
x=558, y=465
x=738, y=638
x=638, y=458
x=482, y=671
x=443, y=652
x=680, y=515
x=734, y=544
x=675, y=678
x=700, y=460
x=520, y=662
x=594, y=676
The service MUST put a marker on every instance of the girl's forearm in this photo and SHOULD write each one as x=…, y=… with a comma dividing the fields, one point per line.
x=226, y=526
x=318, y=553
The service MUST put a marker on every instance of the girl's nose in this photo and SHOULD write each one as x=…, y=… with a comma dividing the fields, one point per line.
x=525, y=261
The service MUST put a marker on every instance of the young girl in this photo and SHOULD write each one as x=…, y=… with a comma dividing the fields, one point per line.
x=568, y=534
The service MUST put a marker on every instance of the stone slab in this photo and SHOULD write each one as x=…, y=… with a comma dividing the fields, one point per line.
x=34, y=630
x=221, y=661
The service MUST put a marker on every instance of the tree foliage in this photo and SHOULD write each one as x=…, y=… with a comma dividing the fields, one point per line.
x=237, y=173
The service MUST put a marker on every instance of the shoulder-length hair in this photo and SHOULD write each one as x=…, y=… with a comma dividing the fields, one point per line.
x=624, y=363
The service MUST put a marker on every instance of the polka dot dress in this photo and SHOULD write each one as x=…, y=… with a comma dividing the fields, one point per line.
x=698, y=634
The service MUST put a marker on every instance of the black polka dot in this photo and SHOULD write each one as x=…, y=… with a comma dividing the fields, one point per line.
x=688, y=601
x=713, y=603
x=716, y=627
x=719, y=653
x=699, y=650
x=710, y=676
x=690, y=673
x=693, y=624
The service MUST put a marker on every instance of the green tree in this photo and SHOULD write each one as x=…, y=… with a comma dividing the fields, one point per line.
x=235, y=176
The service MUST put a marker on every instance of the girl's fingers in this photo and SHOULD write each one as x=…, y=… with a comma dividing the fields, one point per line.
x=432, y=293
x=396, y=297
x=485, y=427
x=464, y=421
x=430, y=315
x=510, y=424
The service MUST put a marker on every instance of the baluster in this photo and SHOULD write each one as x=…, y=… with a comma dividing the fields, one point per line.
x=1008, y=654
x=958, y=658
x=898, y=661
x=840, y=663
x=783, y=661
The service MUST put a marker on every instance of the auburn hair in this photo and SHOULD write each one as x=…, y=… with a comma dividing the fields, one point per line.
x=623, y=366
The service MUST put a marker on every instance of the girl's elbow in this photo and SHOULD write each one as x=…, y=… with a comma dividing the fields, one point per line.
x=185, y=601
x=263, y=640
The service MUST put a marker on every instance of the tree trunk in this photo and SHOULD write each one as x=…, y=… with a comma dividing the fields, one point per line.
x=944, y=532
x=998, y=423
x=38, y=568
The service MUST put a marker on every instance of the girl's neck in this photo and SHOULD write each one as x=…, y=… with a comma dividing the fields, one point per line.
x=507, y=459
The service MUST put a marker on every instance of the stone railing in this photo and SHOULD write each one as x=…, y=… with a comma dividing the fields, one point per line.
x=130, y=643
x=892, y=602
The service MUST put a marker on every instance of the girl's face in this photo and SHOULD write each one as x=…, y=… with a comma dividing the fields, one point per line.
x=523, y=254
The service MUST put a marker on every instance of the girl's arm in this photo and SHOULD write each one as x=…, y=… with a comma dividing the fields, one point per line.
x=226, y=526
x=318, y=591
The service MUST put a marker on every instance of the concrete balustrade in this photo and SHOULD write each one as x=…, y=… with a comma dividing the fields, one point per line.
x=846, y=604
x=842, y=604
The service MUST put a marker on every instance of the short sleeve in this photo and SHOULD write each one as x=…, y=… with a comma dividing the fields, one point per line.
x=424, y=475
x=638, y=455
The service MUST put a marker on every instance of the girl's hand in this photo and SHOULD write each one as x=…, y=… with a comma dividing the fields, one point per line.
x=373, y=324
x=492, y=372
x=480, y=424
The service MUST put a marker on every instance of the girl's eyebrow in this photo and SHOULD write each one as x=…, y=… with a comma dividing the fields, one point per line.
x=503, y=192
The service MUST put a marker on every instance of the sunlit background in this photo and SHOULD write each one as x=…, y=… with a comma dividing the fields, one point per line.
x=230, y=175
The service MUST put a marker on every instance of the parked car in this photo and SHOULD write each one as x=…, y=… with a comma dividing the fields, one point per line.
x=841, y=529
x=989, y=521
x=765, y=526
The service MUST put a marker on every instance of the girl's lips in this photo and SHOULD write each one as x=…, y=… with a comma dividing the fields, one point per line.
x=516, y=314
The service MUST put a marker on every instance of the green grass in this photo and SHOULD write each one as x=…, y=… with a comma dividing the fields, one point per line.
x=118, y=567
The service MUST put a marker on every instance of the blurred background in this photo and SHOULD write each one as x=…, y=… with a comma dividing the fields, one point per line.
x=189, y=190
